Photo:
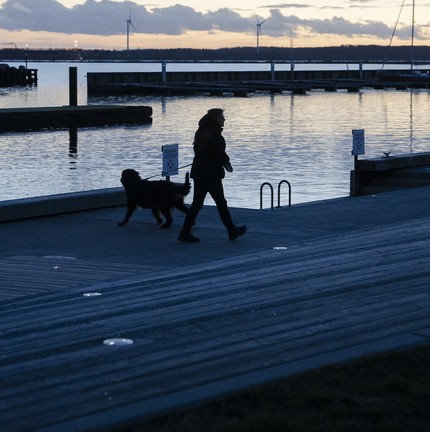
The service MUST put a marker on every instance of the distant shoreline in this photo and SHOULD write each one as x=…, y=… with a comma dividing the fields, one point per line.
x=341, y=54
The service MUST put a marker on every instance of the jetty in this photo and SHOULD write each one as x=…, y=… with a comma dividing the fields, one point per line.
x=69, y=116
x=237, y=83
x=390, y=173
x=72, y=116
x=103, y=326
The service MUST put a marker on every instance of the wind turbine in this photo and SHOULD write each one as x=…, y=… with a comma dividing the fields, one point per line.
x=129, y=23
x=259, y=24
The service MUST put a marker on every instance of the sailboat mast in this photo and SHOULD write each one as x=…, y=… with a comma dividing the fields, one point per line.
x=413, y=34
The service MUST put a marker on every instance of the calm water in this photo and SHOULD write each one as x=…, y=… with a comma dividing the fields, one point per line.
x=304, y=139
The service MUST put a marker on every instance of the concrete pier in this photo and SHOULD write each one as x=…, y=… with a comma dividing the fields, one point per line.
x=390, y=173
x=58, y=204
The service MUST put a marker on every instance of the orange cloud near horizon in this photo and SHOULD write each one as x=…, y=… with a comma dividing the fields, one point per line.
x=199, y=40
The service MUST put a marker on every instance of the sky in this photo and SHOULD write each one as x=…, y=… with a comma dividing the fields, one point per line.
x=102, y=24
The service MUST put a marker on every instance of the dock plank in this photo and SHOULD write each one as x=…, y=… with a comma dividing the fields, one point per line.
x=29, y=275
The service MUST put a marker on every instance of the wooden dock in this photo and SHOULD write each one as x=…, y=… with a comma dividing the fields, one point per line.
x=28, y=119
x=106, y=325
x=238, y=83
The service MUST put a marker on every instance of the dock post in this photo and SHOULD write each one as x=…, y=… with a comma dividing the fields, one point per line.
x=163, y=71
x=73, y=86
x=355, y=179
x=272, y=70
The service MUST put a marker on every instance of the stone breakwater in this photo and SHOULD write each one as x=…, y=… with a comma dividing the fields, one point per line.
x=16, y=76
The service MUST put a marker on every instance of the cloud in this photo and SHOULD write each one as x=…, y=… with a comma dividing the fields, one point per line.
x=286, y=6
x=107, y=18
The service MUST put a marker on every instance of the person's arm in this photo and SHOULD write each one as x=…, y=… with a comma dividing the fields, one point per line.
x=216, y=148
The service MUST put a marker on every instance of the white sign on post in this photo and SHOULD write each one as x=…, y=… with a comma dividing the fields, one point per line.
x=357, y=142
x=170, y=159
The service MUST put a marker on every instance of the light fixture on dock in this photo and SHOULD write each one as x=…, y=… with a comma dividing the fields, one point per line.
x=118, y=342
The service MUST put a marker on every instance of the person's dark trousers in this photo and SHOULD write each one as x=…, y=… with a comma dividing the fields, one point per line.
x=216, y=191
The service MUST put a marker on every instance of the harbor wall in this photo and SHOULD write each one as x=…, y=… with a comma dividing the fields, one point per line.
x=390, y=173
x=61, y=204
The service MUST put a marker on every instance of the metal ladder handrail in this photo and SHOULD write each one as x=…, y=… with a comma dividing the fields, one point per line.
x=261, y=194
x=279, y=192
x=272, y=192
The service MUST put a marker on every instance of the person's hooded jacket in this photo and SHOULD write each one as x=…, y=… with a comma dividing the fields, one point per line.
x=209, y=151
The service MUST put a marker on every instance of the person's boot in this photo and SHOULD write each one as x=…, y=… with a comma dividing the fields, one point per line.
x=187, y=237
x=236, y=232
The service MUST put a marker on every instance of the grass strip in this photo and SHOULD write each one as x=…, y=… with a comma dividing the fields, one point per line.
x=380, y=393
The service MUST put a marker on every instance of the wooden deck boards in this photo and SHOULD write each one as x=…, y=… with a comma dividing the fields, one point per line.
x=27, y=275
x=206, y=330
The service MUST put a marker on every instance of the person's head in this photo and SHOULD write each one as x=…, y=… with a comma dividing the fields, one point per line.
x=217, y=116
x=212, y=120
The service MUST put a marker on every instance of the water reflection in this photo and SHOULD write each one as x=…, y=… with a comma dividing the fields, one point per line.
x=73, y=146
x=304, y=139
x=163, y=104
x=411, y=122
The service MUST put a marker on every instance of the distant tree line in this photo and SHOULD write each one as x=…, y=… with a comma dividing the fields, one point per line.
x=345, y=53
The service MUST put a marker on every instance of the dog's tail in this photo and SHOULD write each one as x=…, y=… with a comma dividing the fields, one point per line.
x=182, y=188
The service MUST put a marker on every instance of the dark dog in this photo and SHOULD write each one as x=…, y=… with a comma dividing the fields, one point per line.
x=160, y=196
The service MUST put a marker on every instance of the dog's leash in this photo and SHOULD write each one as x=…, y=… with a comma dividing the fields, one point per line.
x=175, y=169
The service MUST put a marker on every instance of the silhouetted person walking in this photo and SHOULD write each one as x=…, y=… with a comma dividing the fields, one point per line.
x=207, y=171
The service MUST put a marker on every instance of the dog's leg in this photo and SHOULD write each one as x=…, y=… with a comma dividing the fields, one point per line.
x=178, y=202
x=169, y=220
x=156, y=214
x=130, y=210
x=181, y=206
